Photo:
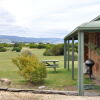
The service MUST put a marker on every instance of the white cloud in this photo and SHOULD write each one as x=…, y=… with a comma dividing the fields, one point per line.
x=44, y=18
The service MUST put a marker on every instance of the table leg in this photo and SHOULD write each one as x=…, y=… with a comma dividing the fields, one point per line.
x=55, y=69
x=54, y=66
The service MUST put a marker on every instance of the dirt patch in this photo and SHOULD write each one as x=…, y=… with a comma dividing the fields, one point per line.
x=19, y=96
x=31, y=96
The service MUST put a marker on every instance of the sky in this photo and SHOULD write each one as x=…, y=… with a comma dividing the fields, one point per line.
x=45, y=18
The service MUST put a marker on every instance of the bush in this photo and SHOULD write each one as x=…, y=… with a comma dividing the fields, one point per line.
x=33, y=45
x=2, y=49
x=41, y=46
x=19, y=44
x=58, y=50
x=48, y=46
x=5, y=45
x=55, y=50
x=30, y=67
x=26, y=51
x=17, y=49
x=47, y=52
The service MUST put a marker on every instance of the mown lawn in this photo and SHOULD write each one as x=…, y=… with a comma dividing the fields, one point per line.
x=55, y=80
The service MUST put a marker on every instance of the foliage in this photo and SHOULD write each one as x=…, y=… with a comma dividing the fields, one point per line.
x=26, y=51
x=93, y=46
x=33, y=45
x=75, y=47
x=3, y=49
x=47, y=52
x=41, y=46
x=48, y=45
x=58, y=50
x=19, y=44
x=30, y=67
x=55, y=50
x=5, y=45
x=17, y=47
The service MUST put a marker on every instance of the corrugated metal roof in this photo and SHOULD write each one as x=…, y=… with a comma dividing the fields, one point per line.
x=96, y=19
x=92, y=25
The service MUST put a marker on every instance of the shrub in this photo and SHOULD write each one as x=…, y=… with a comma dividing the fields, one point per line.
x=58, y=50
x=55, y=50
x=26, y=51
x=19, y=44
x=47, y=52
x=16, y=45
x=76, y=47
x=41, y=46
x=3, y=49
x=17, y=49
x=30, y=67
x=33, y=45
x=5, y=45
x=48, y=46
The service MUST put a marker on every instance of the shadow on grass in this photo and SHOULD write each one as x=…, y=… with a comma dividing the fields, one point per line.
x=58, y=71
x=26, y=82
x=54, y=72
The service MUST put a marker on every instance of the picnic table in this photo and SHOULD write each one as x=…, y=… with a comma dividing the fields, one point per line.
x=51, y=63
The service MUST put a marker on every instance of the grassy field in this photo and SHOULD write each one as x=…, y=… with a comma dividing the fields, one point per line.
x=55, y=80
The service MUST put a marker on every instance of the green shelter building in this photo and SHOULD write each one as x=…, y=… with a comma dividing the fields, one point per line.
x=88, y=36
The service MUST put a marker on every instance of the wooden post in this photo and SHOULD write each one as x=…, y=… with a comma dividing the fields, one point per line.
x=68, y=57
x=73, y=58
x=65, y=56
x=80, y=62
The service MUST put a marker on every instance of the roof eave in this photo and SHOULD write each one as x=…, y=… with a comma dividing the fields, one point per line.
x=95, y=18
x=70, y=34
x=81, y=29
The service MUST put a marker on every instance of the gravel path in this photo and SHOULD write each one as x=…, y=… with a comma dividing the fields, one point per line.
x=31, y=96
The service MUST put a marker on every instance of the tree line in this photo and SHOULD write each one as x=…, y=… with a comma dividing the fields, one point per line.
x=50, y=49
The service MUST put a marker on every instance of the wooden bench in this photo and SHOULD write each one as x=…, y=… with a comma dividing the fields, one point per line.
x=51, y=63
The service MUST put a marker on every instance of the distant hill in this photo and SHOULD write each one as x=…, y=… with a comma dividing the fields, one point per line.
x=5, y=41
x=28, y=39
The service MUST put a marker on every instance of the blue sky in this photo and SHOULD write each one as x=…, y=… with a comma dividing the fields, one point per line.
x=45, y=18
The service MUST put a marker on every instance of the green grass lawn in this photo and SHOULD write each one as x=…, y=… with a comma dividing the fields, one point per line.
x=61, y=79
